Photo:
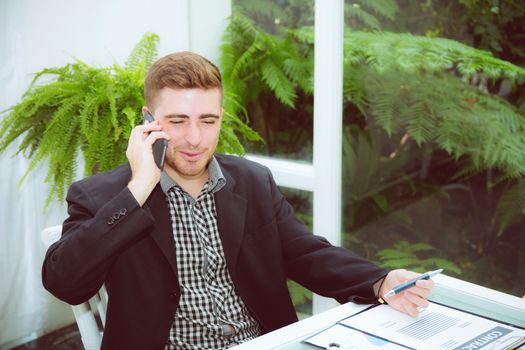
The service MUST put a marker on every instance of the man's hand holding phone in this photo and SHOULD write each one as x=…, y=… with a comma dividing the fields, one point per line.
x=145, y=171
x=159, y=146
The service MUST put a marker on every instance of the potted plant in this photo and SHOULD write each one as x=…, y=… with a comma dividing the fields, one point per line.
x=89, y=112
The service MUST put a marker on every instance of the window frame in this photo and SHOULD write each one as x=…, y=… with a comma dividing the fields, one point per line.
x=323, y=175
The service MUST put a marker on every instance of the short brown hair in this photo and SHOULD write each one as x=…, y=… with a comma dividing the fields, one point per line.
x=181, y=70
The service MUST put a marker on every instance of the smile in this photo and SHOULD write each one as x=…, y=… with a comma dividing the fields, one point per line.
x=191, y=155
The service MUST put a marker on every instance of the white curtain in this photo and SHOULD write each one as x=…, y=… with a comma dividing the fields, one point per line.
x=25, y=307
x=36, y=34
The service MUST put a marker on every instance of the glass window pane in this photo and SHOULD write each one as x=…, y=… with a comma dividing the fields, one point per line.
x=272, y=65
x=433, y=138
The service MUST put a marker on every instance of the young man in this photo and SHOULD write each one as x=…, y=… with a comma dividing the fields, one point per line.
x=197, y=256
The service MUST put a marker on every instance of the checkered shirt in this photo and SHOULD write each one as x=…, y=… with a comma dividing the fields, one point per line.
x=208, y=303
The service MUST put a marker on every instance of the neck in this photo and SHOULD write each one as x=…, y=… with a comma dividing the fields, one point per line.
x=191, y=184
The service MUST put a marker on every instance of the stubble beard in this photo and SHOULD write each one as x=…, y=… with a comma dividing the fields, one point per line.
x=186, y=168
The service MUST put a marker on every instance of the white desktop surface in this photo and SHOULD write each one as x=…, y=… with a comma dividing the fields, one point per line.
x=299, y=330
x=448, y=291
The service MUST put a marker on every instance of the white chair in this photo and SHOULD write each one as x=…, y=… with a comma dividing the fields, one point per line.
x=90, y=332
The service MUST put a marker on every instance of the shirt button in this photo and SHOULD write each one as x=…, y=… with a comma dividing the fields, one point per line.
x=174, y=296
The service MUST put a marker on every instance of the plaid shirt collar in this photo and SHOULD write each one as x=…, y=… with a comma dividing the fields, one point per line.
x=216, y=179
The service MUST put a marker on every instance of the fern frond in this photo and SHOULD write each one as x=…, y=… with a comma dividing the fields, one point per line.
x=304, y=34
x=355, y=11
x=511, y=205
x=390, y=51
x=444, y=109
x=252, y=8
x=144, y=54
x=413, y=256
x=298, y=68
x=298, y=293
x=277, y=80
x=384, y=8
x=249, y=58
x=260, y=57
x=243, y=25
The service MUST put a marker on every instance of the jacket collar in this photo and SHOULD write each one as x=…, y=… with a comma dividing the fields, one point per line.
x=231, y=216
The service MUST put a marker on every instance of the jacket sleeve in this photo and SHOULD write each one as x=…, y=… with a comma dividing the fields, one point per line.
x=75, y=266
x=319, y=266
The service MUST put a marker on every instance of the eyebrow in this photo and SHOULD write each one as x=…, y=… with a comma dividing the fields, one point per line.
x=185, y=116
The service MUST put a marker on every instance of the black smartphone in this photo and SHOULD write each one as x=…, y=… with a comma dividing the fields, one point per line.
x=159, y=147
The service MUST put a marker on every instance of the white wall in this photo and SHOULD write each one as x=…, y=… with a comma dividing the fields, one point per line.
x=96, y=31
x=205, y=40
x=35, y=34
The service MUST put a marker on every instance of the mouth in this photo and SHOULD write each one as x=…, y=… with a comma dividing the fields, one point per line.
x=191, y=156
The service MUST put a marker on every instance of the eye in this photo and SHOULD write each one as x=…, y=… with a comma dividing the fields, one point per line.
x=176, y=121
x=209, y=121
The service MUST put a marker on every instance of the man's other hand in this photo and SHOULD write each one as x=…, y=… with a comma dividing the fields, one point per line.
x=409, y=300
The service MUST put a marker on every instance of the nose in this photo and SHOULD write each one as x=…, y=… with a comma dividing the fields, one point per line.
x=193, y=135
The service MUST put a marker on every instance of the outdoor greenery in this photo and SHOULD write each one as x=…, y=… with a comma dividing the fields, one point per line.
x=405, y=255
x=89, y=112
x=433, y=128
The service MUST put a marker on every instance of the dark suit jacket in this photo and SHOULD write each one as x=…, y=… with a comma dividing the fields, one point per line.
x=108, y=238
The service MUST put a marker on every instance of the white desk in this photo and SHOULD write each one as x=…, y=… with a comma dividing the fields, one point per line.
x=448, y=291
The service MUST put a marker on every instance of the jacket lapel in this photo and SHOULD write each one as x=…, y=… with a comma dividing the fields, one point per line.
x=162, y=234
x=231, y=213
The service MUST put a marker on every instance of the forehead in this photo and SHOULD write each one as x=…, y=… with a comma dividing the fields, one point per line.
x=188, y=101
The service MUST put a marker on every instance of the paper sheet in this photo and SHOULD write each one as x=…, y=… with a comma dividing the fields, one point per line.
x=437, y=327
x=348, y=338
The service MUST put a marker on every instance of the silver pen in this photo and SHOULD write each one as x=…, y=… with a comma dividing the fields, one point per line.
x=409, y=284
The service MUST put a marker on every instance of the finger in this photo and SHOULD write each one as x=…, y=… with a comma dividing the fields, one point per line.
x=402, y=306
x=428, y=284
x=409, y=307
x=416, y=300
x=401, y=276
x=156, y=135
x=422, y=292
x=141, y=129
x=140, y=132
x=413, y=304
x=423, y=287
x=148, y=127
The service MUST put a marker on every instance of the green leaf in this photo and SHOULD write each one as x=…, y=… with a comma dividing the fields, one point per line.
x=298, y=293
x=381, y=201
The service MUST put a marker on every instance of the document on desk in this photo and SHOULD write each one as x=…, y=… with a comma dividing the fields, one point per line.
x=437, y=327
x=343, y=337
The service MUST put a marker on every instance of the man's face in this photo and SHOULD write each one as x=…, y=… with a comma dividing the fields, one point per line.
x=192, y=118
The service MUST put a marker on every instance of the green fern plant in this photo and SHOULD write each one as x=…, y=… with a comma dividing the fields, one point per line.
x=413, y=256
x=299, y=294
x=90, y=111
x=511, y=206
x=254, y=61
x=362, y=14
x=407, y=84
x=404, y=82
